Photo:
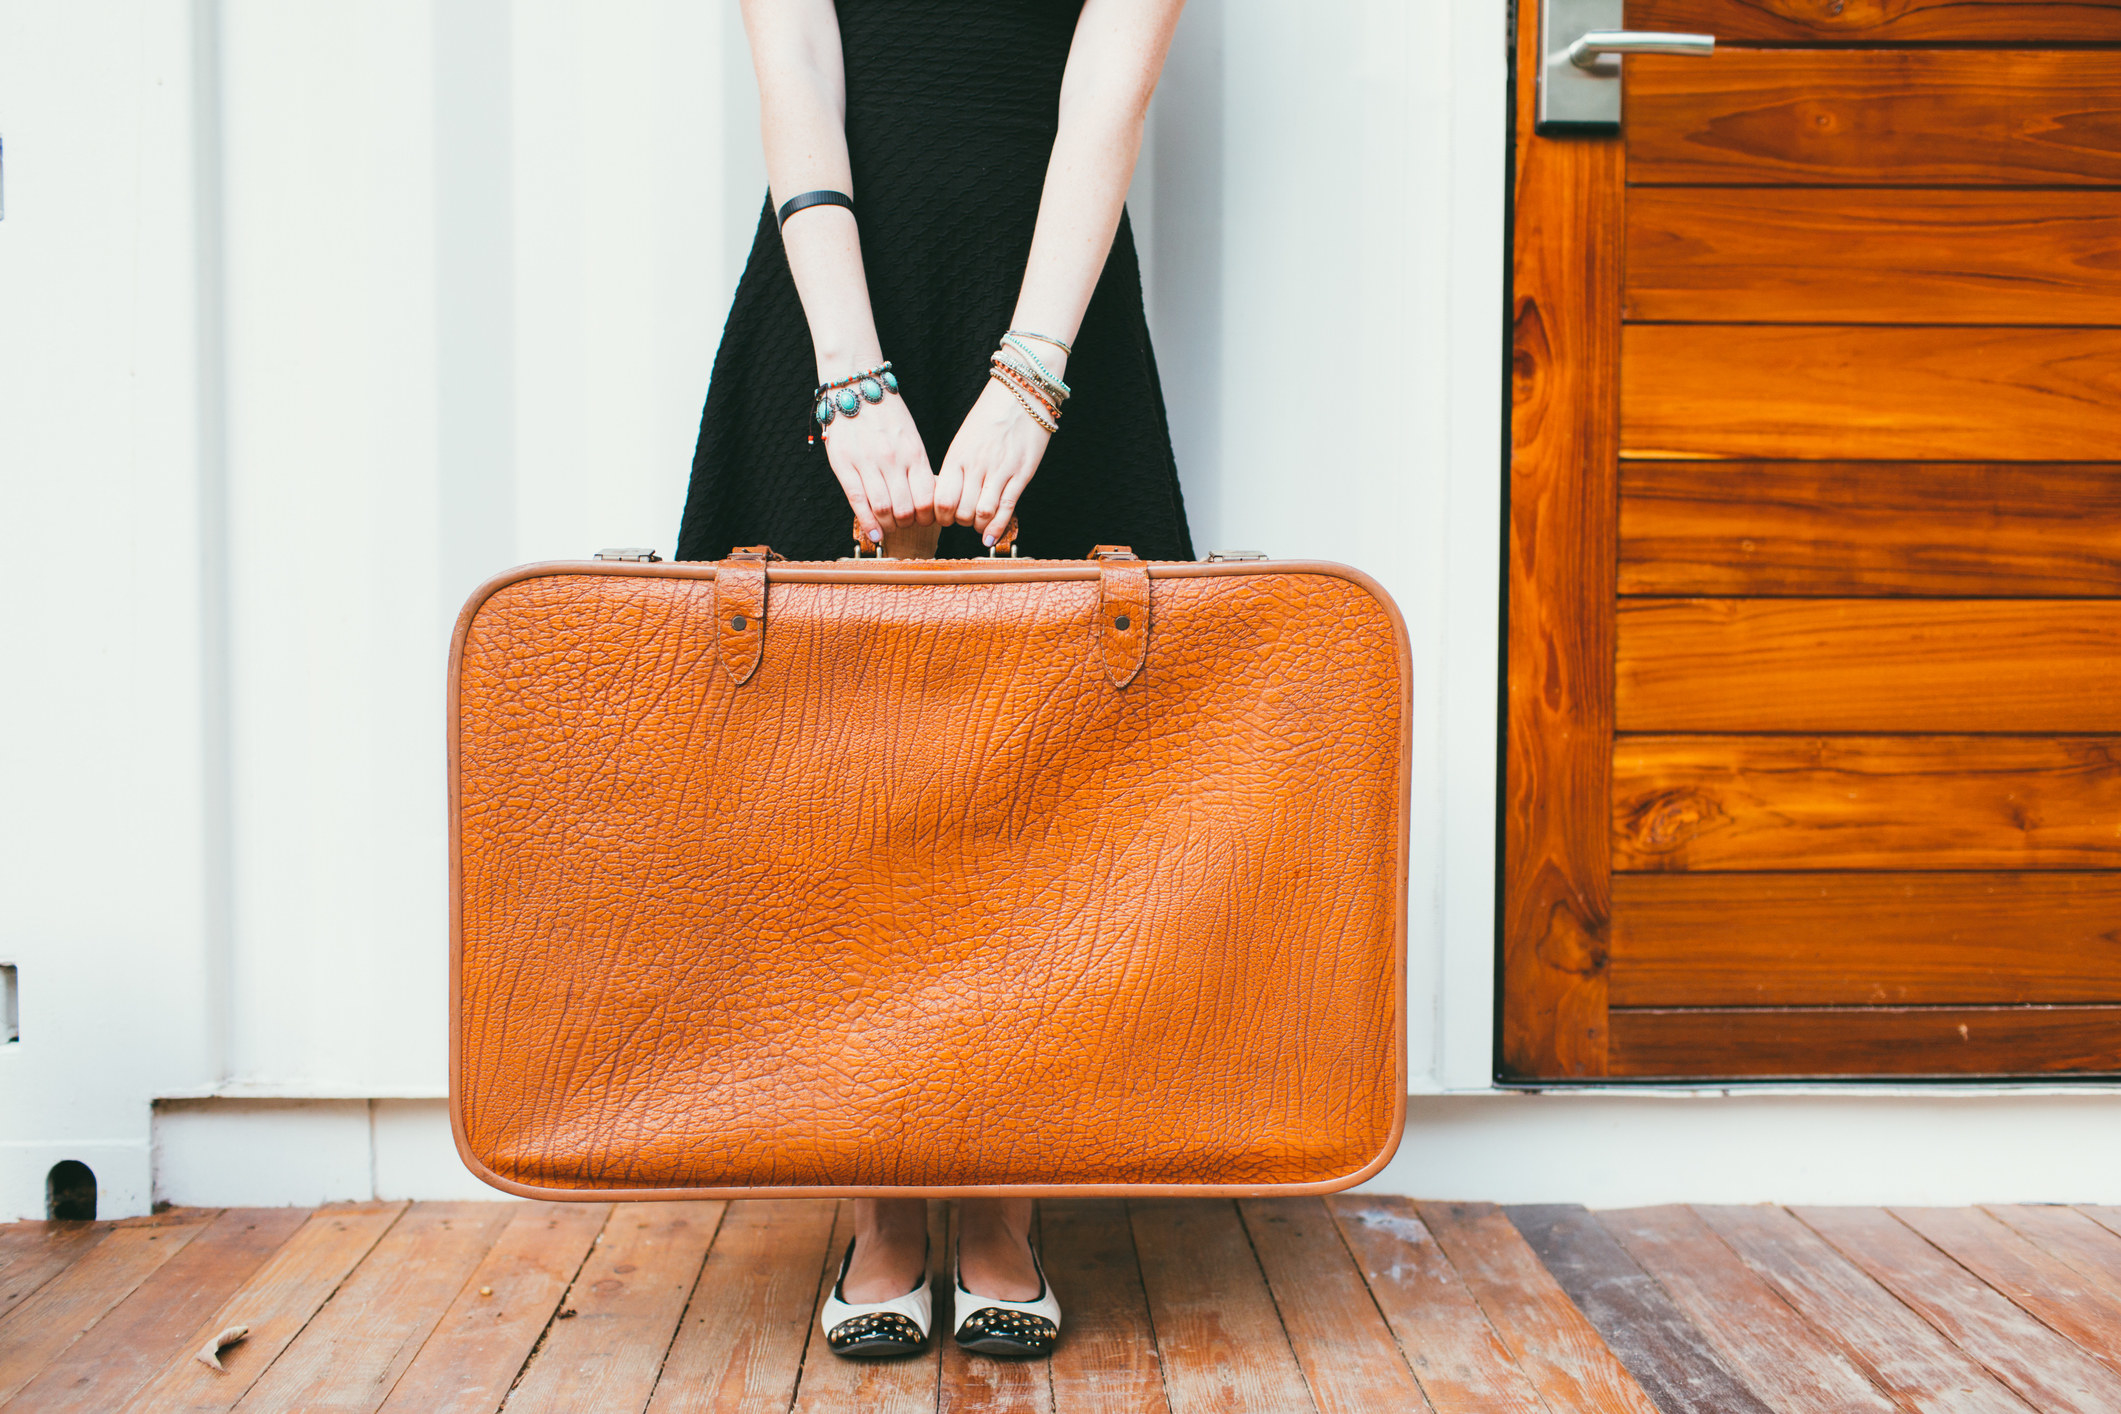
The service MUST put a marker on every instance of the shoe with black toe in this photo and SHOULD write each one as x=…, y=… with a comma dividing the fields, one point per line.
x=876, y=1330
x=989, y=1325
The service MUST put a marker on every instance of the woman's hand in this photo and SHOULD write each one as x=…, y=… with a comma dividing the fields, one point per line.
x=882, y=467
x=990, y=462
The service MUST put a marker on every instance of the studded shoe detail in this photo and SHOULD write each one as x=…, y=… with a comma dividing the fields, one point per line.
x=876, y=1330
x=989, y=1325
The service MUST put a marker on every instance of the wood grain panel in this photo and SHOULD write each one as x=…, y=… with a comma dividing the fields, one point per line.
x=740, y=1346
x=1333, y=1324
x=1827, y=939
x=1864, y=528
x=1868, y=665
x=1820, y=392
x=1760, y=1338
x=2064, y=1299
x=125, y=1349
x=2003, y=21
x=2071, y=1236
x=41, y=1328
x=1866, y=802
x=1555, y=1345
x=1223, y=1347
x=1462, y=1363
x=1106, y=1363
x=1661, y=1346
x=42, y=1252
x=1845, y=1041
x=351, y=1354
x=2047, y=1371
x=1876, y=117
x=276, y=1303
x=478, y=1349
x=1776, y=256
x=1565, y=353
x=1900, y=1352
x=605, y=1347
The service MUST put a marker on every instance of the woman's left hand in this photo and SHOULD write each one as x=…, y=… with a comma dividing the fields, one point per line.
x=990, y=462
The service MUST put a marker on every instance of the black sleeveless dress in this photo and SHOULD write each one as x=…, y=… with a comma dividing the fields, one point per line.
x=952, y=107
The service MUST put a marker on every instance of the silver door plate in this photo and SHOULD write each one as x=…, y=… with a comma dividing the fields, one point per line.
x=1572, y=99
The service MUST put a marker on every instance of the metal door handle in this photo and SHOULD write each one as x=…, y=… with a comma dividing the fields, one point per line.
x=1589, y=50
x=1580, y=44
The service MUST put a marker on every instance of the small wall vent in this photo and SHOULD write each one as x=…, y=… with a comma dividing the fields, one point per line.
x=70, y=1192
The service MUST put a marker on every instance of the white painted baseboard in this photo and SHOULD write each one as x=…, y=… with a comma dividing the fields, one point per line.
x=1602, y=1148
x=1610, y=1149
x=272, y=1153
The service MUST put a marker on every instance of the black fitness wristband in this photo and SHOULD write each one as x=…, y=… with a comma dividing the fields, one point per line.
x=813, y=198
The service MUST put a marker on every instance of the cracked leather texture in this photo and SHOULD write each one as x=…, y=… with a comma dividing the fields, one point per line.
x=925, y=901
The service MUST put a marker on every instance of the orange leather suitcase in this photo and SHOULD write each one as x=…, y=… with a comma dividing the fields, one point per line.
x=927, y=877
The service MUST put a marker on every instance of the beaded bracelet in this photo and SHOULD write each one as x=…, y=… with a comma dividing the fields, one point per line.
x=1042, y=338
x=1040, y=410
x=845, y=397
x=1056, y=391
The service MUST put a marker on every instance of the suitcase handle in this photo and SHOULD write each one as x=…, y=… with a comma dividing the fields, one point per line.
x=1122, y=628
x=864, y=547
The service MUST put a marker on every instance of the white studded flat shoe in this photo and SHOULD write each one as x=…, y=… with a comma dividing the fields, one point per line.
x=992, y=1326
x=876, y=1330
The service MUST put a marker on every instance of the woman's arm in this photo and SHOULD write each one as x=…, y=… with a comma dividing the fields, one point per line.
x=1113, y=64
x=877, y=457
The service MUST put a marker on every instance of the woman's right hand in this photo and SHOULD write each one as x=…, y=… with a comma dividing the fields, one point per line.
x=882, y=467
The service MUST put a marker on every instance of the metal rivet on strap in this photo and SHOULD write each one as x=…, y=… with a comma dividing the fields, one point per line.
x=1121, y=623
x=737, y=623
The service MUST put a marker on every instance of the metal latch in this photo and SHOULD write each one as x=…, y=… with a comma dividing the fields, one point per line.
x=1580, y=44
x=1214, y=555
x=640, y=553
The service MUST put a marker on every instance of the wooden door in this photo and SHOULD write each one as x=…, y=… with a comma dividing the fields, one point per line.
x=1813, y=757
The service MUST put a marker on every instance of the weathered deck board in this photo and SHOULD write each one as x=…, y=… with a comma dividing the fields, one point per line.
x=1332, y=1321
x=1553, y=1342
x=605, y=1346
x=1463, y=1366
x=132, y=1343
x=349, y=1356
x=2070, y=1235
x=63, y=1308
x=487, y=1333
x=2047, y=1371
x=1669, y=1357
x=276, y=1303
x=41, y=1253
x=1106, y=1362
x=1222, y=1343
x=1358, y=1304
x=740, y=1346
x=2054, y=1291
x=1901, y=1353
x=1762, y=1339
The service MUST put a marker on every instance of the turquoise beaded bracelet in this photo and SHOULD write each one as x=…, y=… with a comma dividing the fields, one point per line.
x=845, y=397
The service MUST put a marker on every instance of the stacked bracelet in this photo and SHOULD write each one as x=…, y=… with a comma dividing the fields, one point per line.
x=1042, y=338
x=1017, y=366
x=845, y=397
x=1042, y=410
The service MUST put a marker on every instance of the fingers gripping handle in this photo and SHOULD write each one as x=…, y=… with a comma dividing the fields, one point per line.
x=863, y=545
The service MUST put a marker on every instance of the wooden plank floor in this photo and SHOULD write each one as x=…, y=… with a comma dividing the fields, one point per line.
x=1348, y=1305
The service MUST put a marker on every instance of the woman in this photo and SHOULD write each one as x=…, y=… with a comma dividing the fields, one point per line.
x=949, y=179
